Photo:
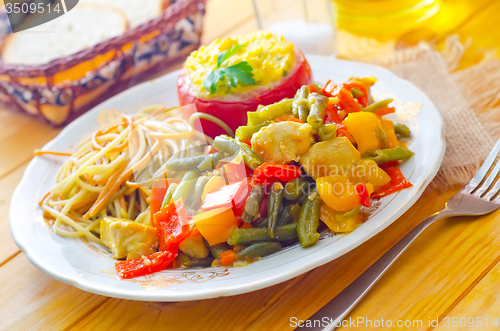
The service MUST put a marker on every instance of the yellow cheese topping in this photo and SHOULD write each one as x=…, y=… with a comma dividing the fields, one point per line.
x=270, y=56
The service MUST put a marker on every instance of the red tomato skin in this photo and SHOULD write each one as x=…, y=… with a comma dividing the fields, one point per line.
x=234, y=113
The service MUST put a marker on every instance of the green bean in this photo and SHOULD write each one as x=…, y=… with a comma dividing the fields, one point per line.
x=259, y=250
x=274, y=110
x=377, y=105
x=252, y=160
x=300, y=101
x=246, y=236
x=301, y=107
x=226, y=144
x=307, y=225
x=185, y=187
x=254, y=200
x=290, y=214
x=219, y=248
x=168, y=195
x=273, y=207
x=260, y=223
x=229, y=145
x=327, y=132
x=382, y=136
x=194, y=201
x=193, y=263
x=302, y=92
x=186, y=163
x=246, y=132
x=247, y=218
x=317, y=111
x=294, y=188
x=356, y=92
x=387, y=155
x=300, y=200
x=253, y=118
x=402, y=130
x=303, y=112
x=210, y=163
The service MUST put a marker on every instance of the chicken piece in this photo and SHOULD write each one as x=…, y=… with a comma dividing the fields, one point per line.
x=332, y=157
x=128, y=239
x=282, y=142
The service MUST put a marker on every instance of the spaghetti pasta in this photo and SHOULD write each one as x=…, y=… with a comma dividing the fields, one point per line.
x=109, y=173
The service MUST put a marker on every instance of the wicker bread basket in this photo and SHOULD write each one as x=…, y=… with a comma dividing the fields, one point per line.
x=63, y=89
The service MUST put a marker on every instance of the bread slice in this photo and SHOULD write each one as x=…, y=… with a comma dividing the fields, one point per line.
x=82, y=27
x=136, y=11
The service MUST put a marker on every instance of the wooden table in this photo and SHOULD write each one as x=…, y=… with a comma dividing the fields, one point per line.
x=452, y=270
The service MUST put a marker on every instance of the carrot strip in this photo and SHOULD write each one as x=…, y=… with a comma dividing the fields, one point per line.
x=43, y=199
x=39, y=152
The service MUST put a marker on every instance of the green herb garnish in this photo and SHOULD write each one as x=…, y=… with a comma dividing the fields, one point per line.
x=240, y=72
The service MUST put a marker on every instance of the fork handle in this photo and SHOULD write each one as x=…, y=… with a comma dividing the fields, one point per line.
x=338, y=308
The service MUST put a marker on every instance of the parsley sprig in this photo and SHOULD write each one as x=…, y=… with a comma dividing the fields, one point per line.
x=240, y=72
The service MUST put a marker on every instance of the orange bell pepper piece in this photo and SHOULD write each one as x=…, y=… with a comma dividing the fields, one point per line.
x=216, y=225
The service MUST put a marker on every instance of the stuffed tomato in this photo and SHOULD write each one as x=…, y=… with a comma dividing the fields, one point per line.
x=233, y=76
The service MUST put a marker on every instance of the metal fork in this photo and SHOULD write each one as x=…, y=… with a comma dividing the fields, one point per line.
x=479, y=197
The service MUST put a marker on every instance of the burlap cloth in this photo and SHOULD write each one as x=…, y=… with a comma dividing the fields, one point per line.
x=468, y=99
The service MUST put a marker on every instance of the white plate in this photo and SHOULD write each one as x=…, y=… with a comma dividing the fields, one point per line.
x=87, y=267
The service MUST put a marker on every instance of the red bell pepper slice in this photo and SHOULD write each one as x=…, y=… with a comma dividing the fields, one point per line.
x=283, y=172
x=398, y=182
x=260, y=177
x=248, y=142
x=363, y=100
x=226, y=196
x=172, y=226
x=384, y=111
x=157, y=195
x=267, y=172
x=347, y=102
x=332, y=115
x=313, y=89
x=240, y=197
x=193, y=231
x=145, y=265
x=364, y=196
x=328, y=89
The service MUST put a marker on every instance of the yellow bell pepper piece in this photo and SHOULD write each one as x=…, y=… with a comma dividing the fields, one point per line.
x=214, y=184
x=348, y=224
x=365, y=128
x=216, y=225
x=367, y=171
x=390, y=135
x=338, y=193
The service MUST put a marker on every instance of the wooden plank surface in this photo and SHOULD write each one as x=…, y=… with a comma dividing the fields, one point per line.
x=8, y=183
x=451, y=271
